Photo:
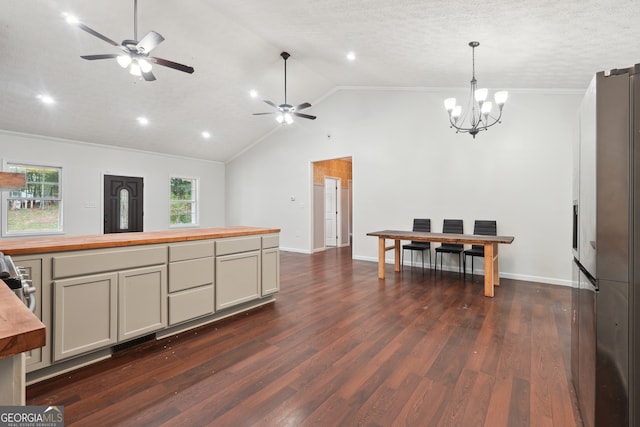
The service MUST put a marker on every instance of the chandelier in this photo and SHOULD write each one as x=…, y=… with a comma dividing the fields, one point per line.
x=478, y=110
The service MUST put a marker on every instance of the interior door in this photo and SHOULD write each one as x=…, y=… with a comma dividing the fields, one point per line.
x=330, y=212
x=123, y=200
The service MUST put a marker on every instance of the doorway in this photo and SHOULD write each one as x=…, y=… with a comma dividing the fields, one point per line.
x=329, y=212
x=123, y=204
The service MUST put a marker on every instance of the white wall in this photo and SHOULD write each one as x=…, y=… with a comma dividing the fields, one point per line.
x=83, y=166
x=408, y=163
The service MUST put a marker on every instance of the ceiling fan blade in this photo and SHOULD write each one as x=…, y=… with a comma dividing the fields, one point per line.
x=96, y=34
x=305, y=116
x=148, y=76
x=171, y=64
x=303, y=106
x=271, y=103
x=260, y=114
x=103, y=56
x=149, y=42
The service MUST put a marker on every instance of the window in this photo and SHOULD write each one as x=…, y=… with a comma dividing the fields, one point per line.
x=124, y=210
x=184, y=195
x=37, y=208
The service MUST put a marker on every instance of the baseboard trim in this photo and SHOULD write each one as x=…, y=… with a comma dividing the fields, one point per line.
x=299, y=251
x=505, y=275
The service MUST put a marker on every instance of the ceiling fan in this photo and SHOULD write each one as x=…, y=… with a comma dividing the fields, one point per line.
x=286, y=111
x=135, y=54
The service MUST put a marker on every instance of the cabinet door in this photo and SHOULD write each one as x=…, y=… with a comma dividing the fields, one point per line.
x=33, y=268
x=142, y=301
x=237, y=279
x=84, y=314
x=270, y=271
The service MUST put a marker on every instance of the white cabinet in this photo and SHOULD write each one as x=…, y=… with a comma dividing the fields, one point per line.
x=92, y=312
x=191, y=276
x=238, y=267
x=118, y=303
x=85, y=314
x=237, y=279
x=142, y=296
x=270, y=265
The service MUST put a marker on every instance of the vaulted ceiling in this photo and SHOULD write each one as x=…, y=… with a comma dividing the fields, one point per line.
x=234, y=46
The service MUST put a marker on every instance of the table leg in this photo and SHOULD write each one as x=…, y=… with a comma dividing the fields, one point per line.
x=496, y=270
x=488, y=269
x=397, y=255
x=381, y=251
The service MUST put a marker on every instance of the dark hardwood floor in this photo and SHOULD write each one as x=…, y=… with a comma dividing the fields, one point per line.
x=340, y=347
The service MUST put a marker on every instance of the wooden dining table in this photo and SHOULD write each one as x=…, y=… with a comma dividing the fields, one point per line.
x=490, y=243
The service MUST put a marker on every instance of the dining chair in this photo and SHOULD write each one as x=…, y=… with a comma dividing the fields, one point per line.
x=482, y=228
x=419, y=224
x=453, y=226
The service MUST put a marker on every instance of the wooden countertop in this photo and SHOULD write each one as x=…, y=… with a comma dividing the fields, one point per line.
x=20, y=329
x=95, y=241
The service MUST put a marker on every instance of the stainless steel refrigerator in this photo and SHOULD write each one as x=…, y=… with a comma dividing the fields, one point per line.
x=605, y=333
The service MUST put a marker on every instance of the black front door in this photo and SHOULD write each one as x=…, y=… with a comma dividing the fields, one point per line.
x=123, y=197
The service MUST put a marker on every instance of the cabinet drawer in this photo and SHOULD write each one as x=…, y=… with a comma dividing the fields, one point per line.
x=101, y=261
x=236, y=245
x=190, y=274
x=189, y=304
x=185, y=251
x=270, y=241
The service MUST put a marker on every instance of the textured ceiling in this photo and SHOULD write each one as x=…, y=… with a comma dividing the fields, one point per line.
x=234, y=46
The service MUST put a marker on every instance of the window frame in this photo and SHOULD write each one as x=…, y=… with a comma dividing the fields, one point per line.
x=195, y=202
x=6, y=198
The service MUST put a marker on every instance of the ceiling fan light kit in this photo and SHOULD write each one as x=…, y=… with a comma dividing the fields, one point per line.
x=285, y=112
x=478, y=110
x=136, y=53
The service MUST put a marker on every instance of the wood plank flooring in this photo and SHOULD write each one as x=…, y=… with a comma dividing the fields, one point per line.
x=341, y=348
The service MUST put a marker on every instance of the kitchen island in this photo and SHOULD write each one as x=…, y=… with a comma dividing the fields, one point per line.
x=102, y=292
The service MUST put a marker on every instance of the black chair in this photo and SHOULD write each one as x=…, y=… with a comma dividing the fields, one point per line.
x=453, y=226
x=482, y=228
x=419, y=224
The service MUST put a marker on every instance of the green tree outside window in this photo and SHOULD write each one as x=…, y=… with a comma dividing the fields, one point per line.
x=183, y=202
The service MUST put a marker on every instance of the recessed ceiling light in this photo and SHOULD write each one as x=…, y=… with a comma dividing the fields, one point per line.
x=46, y=99
x=206, y=135
x=351, y=56
x=143, y=121
x=253, y=93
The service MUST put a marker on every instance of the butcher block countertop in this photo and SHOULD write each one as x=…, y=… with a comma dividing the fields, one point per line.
x=20, y=329
x=95, y=241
